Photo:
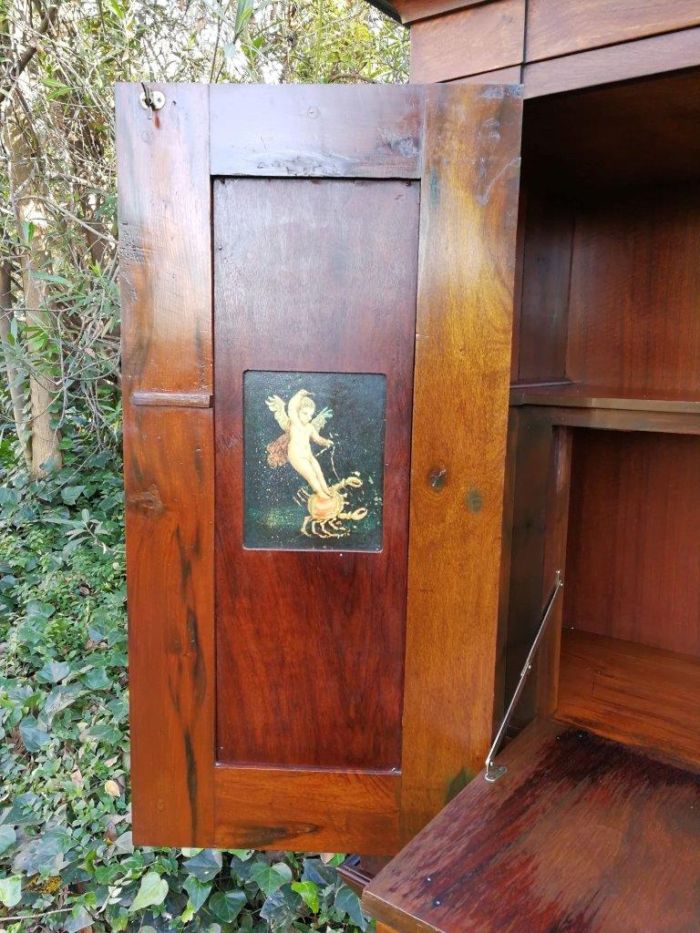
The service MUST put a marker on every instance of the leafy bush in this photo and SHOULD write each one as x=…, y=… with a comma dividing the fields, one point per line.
x=66, y=857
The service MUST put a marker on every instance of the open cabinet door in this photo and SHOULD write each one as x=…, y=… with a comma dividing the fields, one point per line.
x=582, y=834
x=313, y=624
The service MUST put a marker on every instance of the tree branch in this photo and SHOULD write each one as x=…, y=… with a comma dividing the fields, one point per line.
x=9, y=79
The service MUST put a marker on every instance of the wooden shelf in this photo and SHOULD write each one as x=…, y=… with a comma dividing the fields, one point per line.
x=580, y=833
x=632, y=693
x=572, y=395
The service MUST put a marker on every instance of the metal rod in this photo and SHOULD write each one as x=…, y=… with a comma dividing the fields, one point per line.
x=494, y=771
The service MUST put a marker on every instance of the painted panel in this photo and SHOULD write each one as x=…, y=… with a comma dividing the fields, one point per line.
x=314, y=460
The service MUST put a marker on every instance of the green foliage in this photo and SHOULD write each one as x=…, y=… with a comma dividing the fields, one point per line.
x=65, y=840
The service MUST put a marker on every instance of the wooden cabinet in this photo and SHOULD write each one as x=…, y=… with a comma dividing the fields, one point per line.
x=325, y=670
x=586, y=828
x=551, y=46
x=311, y=667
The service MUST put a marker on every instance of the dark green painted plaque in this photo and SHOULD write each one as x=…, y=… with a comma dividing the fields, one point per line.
x=314, y=460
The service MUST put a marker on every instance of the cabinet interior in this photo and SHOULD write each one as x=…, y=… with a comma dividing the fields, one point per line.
x=605, y=429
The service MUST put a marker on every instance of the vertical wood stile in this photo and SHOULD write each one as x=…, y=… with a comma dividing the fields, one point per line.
x=463, y=340
x=164, y=218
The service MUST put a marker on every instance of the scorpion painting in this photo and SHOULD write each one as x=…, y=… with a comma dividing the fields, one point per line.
x=305, y=489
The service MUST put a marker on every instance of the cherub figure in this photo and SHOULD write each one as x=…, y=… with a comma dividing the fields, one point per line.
x=294, y=446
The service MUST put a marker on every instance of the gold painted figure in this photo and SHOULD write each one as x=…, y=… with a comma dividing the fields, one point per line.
x=325, y=504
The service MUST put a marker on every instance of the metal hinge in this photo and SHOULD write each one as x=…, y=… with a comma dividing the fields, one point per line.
x=494, y=771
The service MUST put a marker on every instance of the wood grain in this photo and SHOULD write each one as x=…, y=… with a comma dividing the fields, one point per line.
x=624, y=419
x=411, y=10
x=510, y=856
x=469, y=41
x=531, y=466
x=307, y=810
x=649, y=56
x=630, y=329
x=559, y=28
x=632, y=565
x=168, y=461
x=460, y=409
x=574, y=395
x=163, y=167
x=598, y=143
x=311, y=644
x=499, y=76
x=548, y=227
x=546, y=679
x=629, y=692
x=348, y=131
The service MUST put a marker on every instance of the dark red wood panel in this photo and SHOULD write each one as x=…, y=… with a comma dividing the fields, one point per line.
x=317, y=130
x=635, y=278
x=165, y=271
x=581, y=834
x=320, y=277
x=629, y=692
x=632, y=565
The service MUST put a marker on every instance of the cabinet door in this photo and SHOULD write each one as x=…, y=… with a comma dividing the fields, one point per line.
x=317, y=289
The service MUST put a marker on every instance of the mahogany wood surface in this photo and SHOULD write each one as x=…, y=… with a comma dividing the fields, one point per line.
x=469, y=41
x=624, y=419
x=339, y=254
x=351, y=131
x=648, y=56
x=319, y=277
x=548, y=228
x=358, y=870
x=164, y=218
x=460, y=409
x=509, y=75
x=559, y=27
x=581, y=834
x=632, y=566
x=635, y=278
x=607, y=139
x=307, y=810
x=584, y=396
x=411, y=10
x=556, y=533
x=530, y=469
x=632, y=693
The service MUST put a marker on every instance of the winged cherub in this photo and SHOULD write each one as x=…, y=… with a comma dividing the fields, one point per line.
x=300, y=428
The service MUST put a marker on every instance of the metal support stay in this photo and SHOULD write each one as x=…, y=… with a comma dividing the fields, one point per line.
x=494, y=771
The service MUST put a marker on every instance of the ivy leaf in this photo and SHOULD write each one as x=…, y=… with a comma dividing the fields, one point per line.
x=347, y=902
x=97, y=679
x=71, y=494
x=8, y=837
x=42, y=853
x=33, y=736
x=204, y=866
x=59, y=699
x=280, y=909
x=270, y=877
x=198, y=891
x=314, y=870
x=10, y=891
x=53, y=671
x=152, y=891
x=227, y=905
x=308, y=891
x=78, y=920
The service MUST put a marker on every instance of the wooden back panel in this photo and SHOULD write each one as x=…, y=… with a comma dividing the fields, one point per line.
x=338, y=295
x=632, y=567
